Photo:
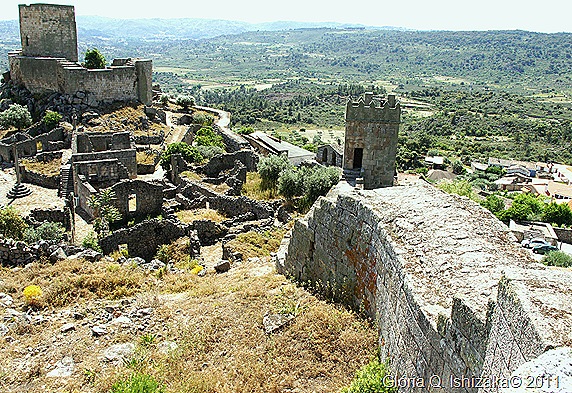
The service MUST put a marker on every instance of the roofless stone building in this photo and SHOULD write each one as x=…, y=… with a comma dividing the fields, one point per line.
x=48, y=61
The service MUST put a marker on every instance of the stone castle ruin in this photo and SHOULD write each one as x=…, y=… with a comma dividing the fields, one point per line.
x=48, y=61
x=372, y=124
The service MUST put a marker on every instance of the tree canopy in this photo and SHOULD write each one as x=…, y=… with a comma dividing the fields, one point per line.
x=94, y=59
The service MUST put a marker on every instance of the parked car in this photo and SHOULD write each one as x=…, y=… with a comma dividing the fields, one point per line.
x=543, y=249
x=534, y=242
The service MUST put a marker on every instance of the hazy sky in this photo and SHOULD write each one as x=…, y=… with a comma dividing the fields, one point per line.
x=543, y=16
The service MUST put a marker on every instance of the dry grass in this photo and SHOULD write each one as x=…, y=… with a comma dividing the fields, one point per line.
x=49, y=168
x=254, y=244
x=191, y=176
x=188, y=216
x=253, y=188
x=146, y=158
x=216, y=324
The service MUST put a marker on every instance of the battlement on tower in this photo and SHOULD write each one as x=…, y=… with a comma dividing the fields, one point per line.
x=374, y=109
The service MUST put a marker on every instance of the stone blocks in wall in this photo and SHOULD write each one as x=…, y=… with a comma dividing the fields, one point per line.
x=144, y=238
x=451, y=295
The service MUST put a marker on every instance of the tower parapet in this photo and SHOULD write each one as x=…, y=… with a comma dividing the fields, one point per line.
x=374, y=109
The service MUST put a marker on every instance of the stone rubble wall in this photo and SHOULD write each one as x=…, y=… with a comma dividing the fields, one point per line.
x=450, y=291
x=143, y=239
x=564, y=235
x=40, y=179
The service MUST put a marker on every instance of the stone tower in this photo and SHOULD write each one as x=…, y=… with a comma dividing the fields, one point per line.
x=48, y=30
x=372, y=124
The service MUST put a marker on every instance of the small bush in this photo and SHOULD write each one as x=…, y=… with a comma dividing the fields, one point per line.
x=90, y=241
x=185, y=101
x=291, y=183
x=209, y=152
x=245, y=130
x=94, y=59
x=51, y=119
x=137, y=383
x=271, y=167
x=207, y=137
x=189, y=153
x=557, y=258
x=370, y=379
x=12, y=224
x=203, y=118
x=16, y=116
x=46, y=231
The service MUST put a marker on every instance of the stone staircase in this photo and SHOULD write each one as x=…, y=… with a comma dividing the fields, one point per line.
x=352, y=176
x=66, y=181
x=19, y=191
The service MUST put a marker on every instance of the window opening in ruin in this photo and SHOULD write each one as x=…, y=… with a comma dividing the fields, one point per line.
x=358, y=157
x=325, y=156
x=27, y=41
x=132, y=203
x=39, y=146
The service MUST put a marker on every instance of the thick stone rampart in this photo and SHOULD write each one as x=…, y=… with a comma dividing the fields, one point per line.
x=451, y=292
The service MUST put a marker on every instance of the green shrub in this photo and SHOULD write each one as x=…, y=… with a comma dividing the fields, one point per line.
x=189, y=153
x=459, y=187
x=245, y=130
x=557, y=258
x=203, y=118
x=457, y=167
x=207, y=137
x=318, y=181
x=494, y=203
x=185, y=101
x=270, y=168
x=46, y=231
x=16, y=116
x=94, y=59
x=291, y=183
x=12, y=224
x=209, y=152
x=558, y=214
x=90, y=241
x=137, y=383
x=51, y=119
x=370, y=379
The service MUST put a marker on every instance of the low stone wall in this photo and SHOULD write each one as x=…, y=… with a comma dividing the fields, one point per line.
x=564, y=235
x=144, y=238
x=224, y=162
x=14, y=253
x=40, y=179
x=442, y=278
x=63, y=216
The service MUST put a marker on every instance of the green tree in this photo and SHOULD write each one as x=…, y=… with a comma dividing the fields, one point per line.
x=494, y=203
x=558, y=214
x=94, y=60
x=185, y=101
x=12, y=224
x=16, y=116
x=103, y=210
x=525, y=207
x=189, y=154
x=291, y=183
x=457, y=167
x=270, y=168
x=51, y=119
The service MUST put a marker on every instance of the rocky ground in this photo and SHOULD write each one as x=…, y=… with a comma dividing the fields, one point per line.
x=249, y=329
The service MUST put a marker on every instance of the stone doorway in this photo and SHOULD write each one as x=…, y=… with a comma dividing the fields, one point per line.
x=358, y=157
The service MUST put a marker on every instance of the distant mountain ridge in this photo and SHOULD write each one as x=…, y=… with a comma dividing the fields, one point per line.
x=184, y=28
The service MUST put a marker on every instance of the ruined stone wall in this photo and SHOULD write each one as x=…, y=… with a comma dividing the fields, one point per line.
x=426, y=267
x=126, y=157
x=48, y=30
x=46, y=75
x=148, y=198
x=40, y=179
x=224, y=162
x=144, y=238
x=564, y=235
x=27, y=146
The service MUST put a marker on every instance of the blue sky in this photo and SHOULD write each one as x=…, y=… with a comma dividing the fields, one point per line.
x=543, y=16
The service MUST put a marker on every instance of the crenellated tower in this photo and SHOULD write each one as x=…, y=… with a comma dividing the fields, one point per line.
x=372, y=124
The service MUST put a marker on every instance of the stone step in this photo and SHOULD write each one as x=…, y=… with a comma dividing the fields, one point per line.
x=19, y=191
